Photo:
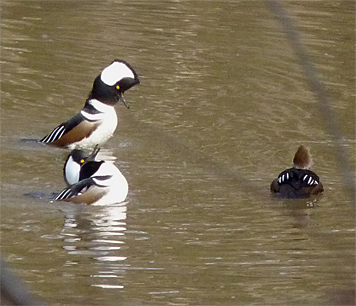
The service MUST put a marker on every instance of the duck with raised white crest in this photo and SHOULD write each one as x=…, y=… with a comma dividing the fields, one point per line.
x=97, y=121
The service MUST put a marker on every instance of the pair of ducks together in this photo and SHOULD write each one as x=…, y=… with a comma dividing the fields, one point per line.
x=89, y=180
x=94, y=181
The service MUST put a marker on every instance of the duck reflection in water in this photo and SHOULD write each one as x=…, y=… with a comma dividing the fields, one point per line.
x=96, y=230
x=96, y=233
x=92, y=181
x=299, y=181
x=301, y=211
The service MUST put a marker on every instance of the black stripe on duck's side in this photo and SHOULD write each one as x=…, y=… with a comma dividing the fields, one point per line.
x=99, y=180
x=90, y=109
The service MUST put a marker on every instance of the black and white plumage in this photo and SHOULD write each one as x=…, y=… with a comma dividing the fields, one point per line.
x=74, y=162
x=97, y=121
x=99, y=183
x=299, y=181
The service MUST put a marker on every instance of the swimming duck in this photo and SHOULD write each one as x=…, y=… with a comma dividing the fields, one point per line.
x=299, y=181
x=97, y=121
x=99, y=182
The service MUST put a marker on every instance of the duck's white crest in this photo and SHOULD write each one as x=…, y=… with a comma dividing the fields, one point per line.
x=72, y=171
x=115, y=72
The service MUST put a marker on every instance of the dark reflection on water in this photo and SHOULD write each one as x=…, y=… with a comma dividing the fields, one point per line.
x=220, y=111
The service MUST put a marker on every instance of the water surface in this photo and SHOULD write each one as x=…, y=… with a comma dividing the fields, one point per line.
x=222, y=107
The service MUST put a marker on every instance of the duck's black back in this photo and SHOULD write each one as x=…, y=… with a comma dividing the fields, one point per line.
x=296, y=183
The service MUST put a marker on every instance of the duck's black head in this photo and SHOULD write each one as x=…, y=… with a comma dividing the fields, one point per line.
x=75, y=160
x=113, y=81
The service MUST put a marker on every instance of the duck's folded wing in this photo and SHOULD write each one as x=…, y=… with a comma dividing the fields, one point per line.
x=63, y=128
x=286, y=176
x=73, y=130
x=82, y=186
x=75, y=190
x=300, y=178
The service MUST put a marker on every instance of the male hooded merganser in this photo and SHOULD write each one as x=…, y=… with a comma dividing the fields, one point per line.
x=99, y=182
x=74, y=162
x=97, y=121
x=299, y=181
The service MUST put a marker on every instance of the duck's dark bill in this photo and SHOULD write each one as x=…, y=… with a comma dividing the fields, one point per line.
x=93, y=154
x=122, y=98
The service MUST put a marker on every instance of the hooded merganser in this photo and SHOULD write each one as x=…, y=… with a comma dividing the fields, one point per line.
x=299, y=181
x=97, y=121
x=74, y=162
x=99, y=182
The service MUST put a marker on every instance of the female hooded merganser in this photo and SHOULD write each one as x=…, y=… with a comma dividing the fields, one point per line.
x=97, y=121
x=299, y=181
x=99, y=182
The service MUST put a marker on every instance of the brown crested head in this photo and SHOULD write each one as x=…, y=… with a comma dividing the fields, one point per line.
x=302, y=158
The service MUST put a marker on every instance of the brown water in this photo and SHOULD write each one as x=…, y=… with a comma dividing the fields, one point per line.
x=221, y=109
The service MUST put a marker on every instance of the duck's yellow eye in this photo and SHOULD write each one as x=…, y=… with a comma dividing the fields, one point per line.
x=117, y=87
x=82, y=161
